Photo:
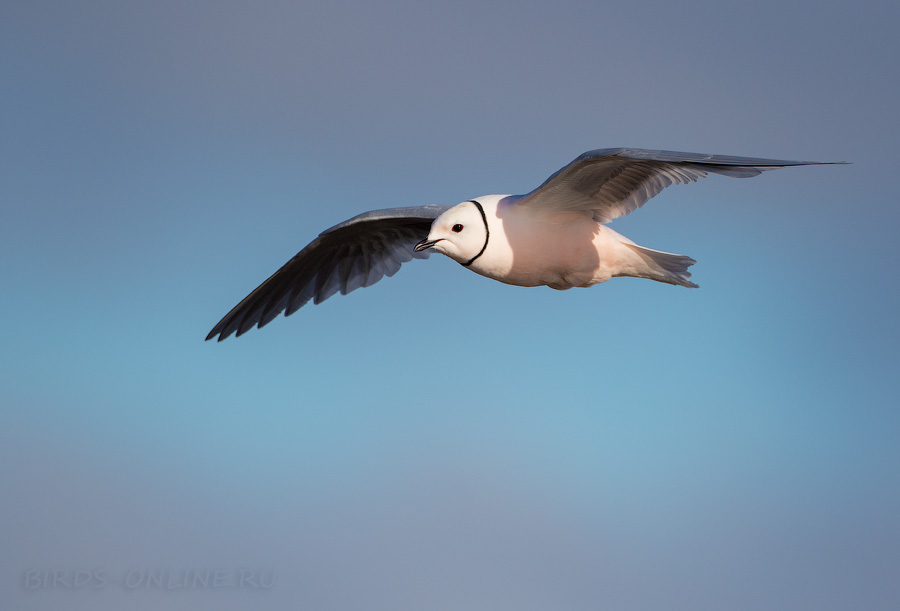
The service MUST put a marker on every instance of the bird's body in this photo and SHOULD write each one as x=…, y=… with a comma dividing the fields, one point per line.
x=554, y=236
x=559, y=249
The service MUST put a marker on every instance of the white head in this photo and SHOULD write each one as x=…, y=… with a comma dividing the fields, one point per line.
x=461, y=233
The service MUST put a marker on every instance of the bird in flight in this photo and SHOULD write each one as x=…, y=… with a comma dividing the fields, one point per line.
x=556, y=235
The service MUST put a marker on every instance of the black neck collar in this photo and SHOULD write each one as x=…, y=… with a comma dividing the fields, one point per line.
x=487, y=234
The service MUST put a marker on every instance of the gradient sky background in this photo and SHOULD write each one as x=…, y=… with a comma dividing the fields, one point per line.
x=442, y=441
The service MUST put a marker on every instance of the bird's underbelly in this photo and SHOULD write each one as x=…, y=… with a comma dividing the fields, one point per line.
x=561, y=256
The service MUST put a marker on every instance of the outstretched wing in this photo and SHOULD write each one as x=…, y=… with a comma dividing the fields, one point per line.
x=614, y=182
x=356, y=253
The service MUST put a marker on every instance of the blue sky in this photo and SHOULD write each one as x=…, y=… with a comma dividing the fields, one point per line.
x=440, y=440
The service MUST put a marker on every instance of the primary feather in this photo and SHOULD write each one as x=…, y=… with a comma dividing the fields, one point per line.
x=614, y=182
x=356, y=253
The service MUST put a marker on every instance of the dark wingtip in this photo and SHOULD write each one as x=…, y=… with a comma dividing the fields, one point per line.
x=214, y=333
x=220, y=330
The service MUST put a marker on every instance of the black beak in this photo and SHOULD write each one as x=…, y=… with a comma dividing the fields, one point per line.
x=426, y=243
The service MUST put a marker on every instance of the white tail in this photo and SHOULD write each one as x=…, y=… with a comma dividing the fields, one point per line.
x=661, y=266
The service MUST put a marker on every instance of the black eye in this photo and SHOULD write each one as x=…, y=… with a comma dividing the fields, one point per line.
x=457, y=228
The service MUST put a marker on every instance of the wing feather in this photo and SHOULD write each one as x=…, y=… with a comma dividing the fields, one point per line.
x=614, y=182
x=351, y=255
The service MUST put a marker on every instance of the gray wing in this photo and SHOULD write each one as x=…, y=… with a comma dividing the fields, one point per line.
x=353, y=254
x=614, y=182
